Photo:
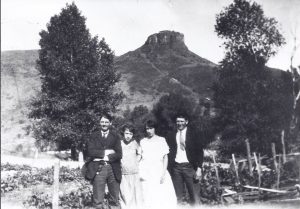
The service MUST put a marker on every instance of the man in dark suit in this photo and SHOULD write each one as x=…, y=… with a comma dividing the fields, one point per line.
x=104, y=153
x=185, y=159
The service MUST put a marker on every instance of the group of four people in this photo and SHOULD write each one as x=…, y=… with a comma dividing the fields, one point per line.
x=154, y=173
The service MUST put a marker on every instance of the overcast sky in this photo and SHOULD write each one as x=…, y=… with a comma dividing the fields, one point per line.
x=126, y=24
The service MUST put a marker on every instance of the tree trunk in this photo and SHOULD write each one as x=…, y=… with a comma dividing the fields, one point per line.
x=74, y=153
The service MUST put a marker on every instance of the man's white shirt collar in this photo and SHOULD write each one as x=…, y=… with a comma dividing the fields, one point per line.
x=183, y=131
x=181, y=154
x=106, y=133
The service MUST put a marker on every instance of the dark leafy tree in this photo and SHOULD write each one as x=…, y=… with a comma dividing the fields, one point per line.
x=203, y=121
x=198, y=113
x=244, y=27
x=138, y=117
x=78, y=78
x=295, y=122
x=168, y=107
x=252, y=101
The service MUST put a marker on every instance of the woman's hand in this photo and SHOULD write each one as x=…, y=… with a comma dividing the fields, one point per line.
x=162, y=178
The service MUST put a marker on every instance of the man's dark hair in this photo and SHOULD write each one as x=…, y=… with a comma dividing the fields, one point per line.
x=182, y=115
x=151, y=124
x=107, y=116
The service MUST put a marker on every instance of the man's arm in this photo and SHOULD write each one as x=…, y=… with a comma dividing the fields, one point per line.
x=116, y=153
x=92, y=150
x=199, y=154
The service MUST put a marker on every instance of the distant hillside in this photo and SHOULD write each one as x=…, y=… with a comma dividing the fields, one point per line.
x=19, y=82
x=162, y=65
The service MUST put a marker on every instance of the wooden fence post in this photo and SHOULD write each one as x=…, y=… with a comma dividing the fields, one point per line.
x=55, y=197
x=249, y=156
x=236, y=169
x=278, y=172
x=274, y=156
x=255, y=159
x=217, y=172
x=259, y=170
x=80, y=159
x=299, y=170
x=36, y=153
x=283, y=147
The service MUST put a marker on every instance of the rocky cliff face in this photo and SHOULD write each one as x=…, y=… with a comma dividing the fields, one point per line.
x=165, y=40
x=148, y=72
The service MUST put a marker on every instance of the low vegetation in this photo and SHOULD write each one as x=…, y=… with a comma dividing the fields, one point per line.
x=78, y=192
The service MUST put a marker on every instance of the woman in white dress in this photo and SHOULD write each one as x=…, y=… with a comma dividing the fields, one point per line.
x=158, y=190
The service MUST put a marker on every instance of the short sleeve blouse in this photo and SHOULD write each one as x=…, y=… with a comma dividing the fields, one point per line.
x=130, y=157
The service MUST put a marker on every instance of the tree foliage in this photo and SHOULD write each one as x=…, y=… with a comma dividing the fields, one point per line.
x=78, y=78
x=295, y=122
x=166, y=109
x=137, y=117
x=244, y=27
x=254, y=101
x=198, y=113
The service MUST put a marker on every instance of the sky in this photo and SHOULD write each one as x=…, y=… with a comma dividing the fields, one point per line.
x=126, y=24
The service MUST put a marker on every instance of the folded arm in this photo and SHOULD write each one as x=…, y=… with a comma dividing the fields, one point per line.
x=95, y=152
x=115, y=153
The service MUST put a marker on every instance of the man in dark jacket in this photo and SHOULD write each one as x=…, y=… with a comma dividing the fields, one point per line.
x=185, y=159
x=104, y=153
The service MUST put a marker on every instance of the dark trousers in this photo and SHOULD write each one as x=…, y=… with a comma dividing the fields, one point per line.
x=105, y=176
x=183, y=177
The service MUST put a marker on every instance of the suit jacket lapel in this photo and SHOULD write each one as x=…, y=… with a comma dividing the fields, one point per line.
x=101, y=139
x=108, y=139
x=174, y=141
x=187, y=138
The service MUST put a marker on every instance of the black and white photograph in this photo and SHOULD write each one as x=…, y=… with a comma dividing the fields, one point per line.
x=150, y=104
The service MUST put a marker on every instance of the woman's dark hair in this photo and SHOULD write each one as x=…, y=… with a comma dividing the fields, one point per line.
x=128, y=126
x=151, y=124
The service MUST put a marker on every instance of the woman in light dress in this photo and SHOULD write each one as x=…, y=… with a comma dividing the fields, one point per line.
x=158, y=190
x=130, y=187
